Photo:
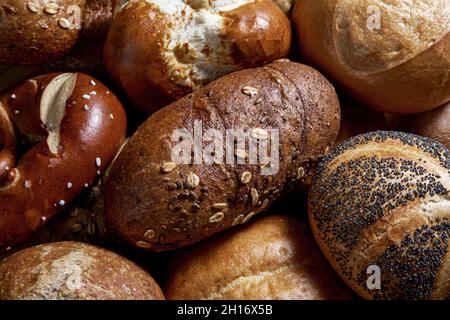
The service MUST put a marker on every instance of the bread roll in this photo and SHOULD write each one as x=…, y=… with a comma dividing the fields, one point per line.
x=159, y=203
x=356, y=119
x=389, y=54
x=74, y=271
x=38, y=31
x=382, y=200
x=159, y=51
x=273, y=257
x=434, y=124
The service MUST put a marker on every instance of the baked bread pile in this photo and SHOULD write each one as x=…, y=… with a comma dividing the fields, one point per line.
x=233, y=149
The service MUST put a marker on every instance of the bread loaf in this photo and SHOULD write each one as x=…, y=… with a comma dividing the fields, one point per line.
x=159, y=50
x=381, y=201
x=159, y=203
x=58, y=134
x=273, y=257
x=434, y=124
x=389, y=54
x=38, y=31
x=73, y=271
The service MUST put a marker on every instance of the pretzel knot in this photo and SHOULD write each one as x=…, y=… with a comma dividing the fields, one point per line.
x=58, y=132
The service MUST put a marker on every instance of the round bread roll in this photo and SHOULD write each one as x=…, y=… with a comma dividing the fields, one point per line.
x=381, y=201
x=158, y=198
x=434, y=124
x=159, y=50
x=73, y=271
x=274, y=257
x=356, y=119
x=388, y=54
x=38, y=31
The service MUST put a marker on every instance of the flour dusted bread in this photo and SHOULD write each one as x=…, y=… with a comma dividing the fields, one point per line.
x=273, y=257
x=160, y=50
x=75, y=271
x=392, y=55
x=158, y=204
x=383, y=199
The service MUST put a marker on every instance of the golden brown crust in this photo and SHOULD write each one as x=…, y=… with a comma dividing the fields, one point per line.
x=142, y=199
x=38, y=31
x=273, y=257
x=155, y=53
x=73, y=270
x=78, y=126
x=383, y=199
x=400, y=67
x=434, y=124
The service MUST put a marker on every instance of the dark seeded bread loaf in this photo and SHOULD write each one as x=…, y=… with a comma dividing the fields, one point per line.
x=383, y=199
x=75, y=271
x=272, y=257
x=157, y=205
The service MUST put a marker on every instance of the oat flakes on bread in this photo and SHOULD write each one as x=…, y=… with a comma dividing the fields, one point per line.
x=158, y=205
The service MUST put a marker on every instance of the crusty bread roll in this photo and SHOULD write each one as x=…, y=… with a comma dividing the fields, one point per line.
x=158, y=204
x=356, y=119
x=274, y=257
x=392, y=55
x=38, y=31
x=160, y=50
x=382, y=200
x=434, y=124
x=73, y=270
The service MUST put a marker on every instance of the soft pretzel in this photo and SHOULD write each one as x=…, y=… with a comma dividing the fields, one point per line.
x=78, y=125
